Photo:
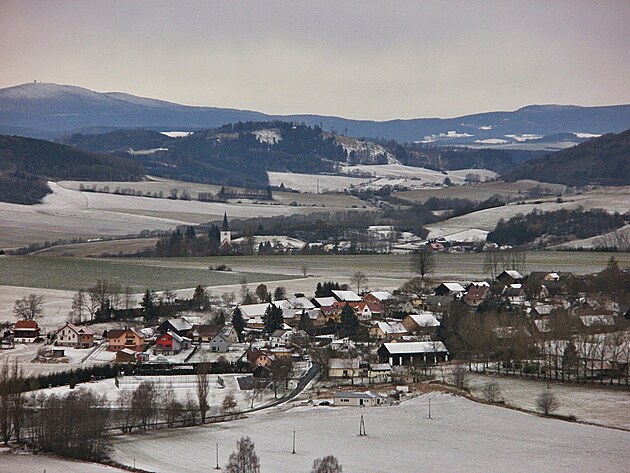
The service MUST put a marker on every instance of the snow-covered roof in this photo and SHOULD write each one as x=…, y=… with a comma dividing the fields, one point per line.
x=347, y=296
x=357, y=395
x=415, y=347
x=325, y=301
x=426, y=319
x=512, y=273
x=381, y=295
x=301, y=303
x=343, y=363
x=391, y=327
x=453, y=286
x=180, y=324
x=603, y=319
x=254, y=310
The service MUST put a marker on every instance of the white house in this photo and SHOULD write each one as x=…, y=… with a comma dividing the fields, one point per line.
x=368, y=399
x=220, y=343
x=71, y=335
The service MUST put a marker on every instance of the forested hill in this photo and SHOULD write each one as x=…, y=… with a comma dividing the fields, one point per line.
x=603, y=161
x=26, y=164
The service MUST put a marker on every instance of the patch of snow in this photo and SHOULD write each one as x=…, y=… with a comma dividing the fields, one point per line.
x=269, y=136
x=587, y=135
x=177, y=134
x=146, y=151
x=524, y=137
x=365, y=151
x=449, y=135
x=485, y=127
x=492, y=141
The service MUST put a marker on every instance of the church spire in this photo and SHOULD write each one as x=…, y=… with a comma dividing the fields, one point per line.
x=226, y=227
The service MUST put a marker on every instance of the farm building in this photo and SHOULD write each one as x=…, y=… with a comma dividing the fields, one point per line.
x=423, y=323
x=344, y=368
x=407, y=353
x=179, y=326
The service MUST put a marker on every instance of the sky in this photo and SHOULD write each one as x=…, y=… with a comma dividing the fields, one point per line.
x=357, y=59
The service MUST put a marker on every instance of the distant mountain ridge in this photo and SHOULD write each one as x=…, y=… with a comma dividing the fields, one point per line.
x=600, y=161
x=50, y=110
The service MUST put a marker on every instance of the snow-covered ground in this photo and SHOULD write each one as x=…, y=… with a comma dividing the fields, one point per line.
x=410, y=172
x=313, y=183
x=26, y=463
x=461, y=436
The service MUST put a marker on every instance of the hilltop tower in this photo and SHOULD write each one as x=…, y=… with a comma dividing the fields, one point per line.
x=226, y=234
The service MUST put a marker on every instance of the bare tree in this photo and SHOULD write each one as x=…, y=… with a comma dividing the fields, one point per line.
x=423, y=262
x=459, y=376
x=244, y=288
x=29, y=307
x=491, y=391
x=359, y=279
x=328, y=464
x=547, y=402
x=203, y=388
x=244, y=459
x=255, y=393
x=229, y=403
x=78, y=307
x=304, y=269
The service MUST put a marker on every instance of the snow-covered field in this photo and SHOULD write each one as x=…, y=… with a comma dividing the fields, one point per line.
x=428, y=176
x=461, y=436
x=310, y=182
x=610, y=199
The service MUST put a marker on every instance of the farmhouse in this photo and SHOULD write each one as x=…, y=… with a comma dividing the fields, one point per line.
x=368, y=399
x=510, y=276
x=476, y=295
x=125, y=338
x=74, y=336
x=382, y=330
x=449, y=289
x=346, y=296
x=408, y=353
x=203, y=333
x=25, y=331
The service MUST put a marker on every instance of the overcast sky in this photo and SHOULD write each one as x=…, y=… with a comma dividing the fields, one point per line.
x=367, y=59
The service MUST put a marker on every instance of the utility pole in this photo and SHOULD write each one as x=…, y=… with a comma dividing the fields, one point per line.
x=430, y=408
x=362, y=432
x=293, y=451
x=217, y=467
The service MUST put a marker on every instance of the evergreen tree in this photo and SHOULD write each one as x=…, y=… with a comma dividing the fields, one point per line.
x=349, y=321
x=149, y=309
x=273, y=319
x=238, y=322
x=279, y=294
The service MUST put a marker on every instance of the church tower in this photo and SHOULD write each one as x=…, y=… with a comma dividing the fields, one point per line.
x=226, y=234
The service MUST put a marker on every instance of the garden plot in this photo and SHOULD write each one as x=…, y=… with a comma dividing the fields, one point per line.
x=184, y=386
x=461, y=436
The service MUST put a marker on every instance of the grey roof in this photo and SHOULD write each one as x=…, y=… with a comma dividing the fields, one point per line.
x=402, y=348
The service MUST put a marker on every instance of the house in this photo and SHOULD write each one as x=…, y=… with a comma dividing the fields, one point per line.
x=179, y=326
x=344, y=368
x=379, y=373
x=257, y=358
x=476, y=295
x=449, y=289
x=367, y=399
x=71, y=335
x=423, y=323
x=25, y=331
x=219, y=343
x=118, y=339
x=603, y=319
x=437, y=303
x=515, y=294
x=171, y=344
x=510, y=276
x=407, y=353
x=230, y=333
x=392, y=329
x=280, y=337
x=203, y=333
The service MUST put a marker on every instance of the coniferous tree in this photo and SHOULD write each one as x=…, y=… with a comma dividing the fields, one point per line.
x=273, y=319
x=238, y=322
